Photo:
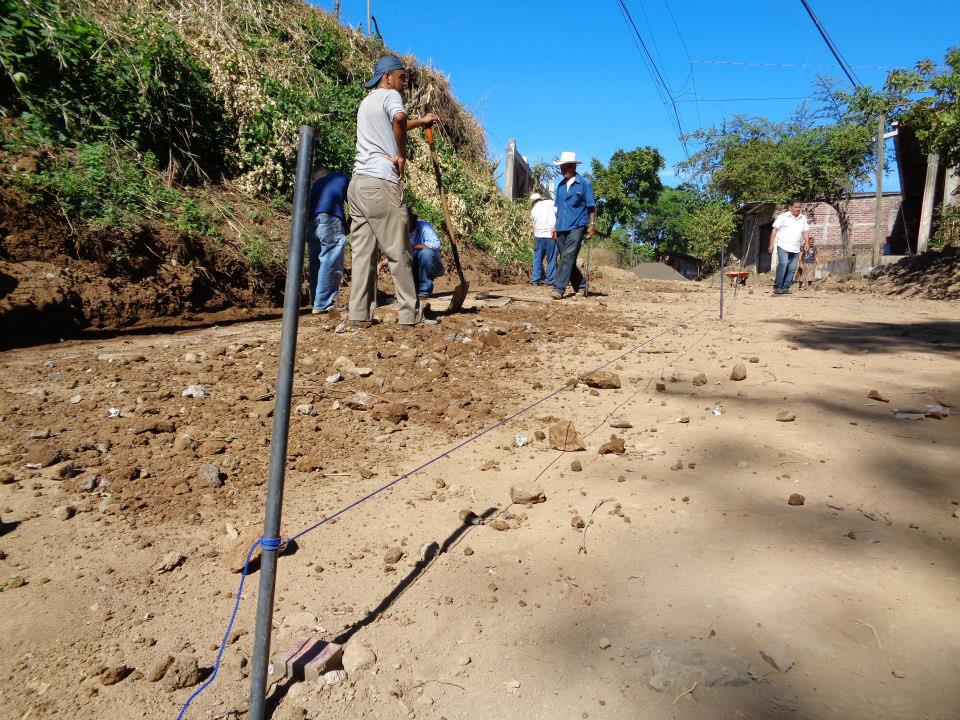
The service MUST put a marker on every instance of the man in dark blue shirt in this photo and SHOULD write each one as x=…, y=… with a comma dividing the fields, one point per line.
x=326, y=239
x=576, y=215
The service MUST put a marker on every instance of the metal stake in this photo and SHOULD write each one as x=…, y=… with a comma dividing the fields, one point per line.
x=281, y=426
x=720, y=275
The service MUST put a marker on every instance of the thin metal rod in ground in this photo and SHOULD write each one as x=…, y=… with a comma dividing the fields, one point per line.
x=281, y=427
x=583, y=541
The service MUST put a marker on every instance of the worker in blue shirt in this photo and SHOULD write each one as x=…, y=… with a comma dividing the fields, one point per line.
x=425, y=251
x=576, y=215
x=326, y=238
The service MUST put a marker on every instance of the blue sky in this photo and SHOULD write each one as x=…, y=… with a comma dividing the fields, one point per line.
x=566, y=75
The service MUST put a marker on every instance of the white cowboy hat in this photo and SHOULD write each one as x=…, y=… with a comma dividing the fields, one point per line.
x=535, y=196
x=567, y=157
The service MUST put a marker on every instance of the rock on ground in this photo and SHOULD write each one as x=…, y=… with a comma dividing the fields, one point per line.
x=564, y=436
x=170, y=561
x=602, y=380
x=391, y=412
x=182, y=673
x=113, y=675
x=739, y=372
x=785, y=416
x=527, y=493
x=796, y=499
x=699, y=379
x=64, y=513
x=681, y=663
x=356, y=657
x=614, y=445
x=393, y=556
x=159, y=669
x=210, y=476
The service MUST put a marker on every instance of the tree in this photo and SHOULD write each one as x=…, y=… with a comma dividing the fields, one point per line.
x=709, y=228
x=626, y=186
x=543, y=174
x=927, y=98
x=661, y=227
x=752, y=158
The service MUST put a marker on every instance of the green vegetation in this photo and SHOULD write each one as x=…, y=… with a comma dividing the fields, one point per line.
x=751, y=158
x=139, y=113
x=708, y=229
x=626, y=186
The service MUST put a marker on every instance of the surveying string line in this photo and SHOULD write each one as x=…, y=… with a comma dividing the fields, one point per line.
x=274, y=544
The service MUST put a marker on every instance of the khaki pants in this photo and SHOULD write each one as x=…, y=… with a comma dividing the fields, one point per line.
x=379, y=219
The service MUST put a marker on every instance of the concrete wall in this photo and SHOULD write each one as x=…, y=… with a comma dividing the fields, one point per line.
x=517, y=177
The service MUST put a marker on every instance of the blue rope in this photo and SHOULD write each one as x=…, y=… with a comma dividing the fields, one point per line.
x=267, y=544
x=276, y=543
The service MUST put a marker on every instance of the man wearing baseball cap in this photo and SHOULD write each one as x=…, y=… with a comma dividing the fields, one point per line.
x=576, y=215
x=375, y=197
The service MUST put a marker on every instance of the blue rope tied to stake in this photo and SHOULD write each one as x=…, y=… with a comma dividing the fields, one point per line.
x=276, y=543
x=268, y=544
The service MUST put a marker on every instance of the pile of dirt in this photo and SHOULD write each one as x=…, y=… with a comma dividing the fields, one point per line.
x=934, y=275
x=656, y=271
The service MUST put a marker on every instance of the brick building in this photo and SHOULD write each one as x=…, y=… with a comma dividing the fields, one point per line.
x=758, y=217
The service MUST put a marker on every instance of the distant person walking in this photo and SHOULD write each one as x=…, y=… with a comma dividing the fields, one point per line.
x=376, y=201
x=790, y=234
x=543, y=215
x=576, y=215
x=326, y=239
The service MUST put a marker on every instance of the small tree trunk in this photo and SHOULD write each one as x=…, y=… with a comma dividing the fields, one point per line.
x=842, y=208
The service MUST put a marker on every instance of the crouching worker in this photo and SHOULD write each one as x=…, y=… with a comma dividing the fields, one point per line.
x=425, y=251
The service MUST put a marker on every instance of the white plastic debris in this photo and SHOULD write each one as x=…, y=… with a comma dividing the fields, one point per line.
x=336, y=377
x=113, y=412
x=522, y=440
x=718, y=410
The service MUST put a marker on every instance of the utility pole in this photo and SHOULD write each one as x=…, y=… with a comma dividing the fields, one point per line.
x=878, y=224
x=926, y=209
x=368, y=18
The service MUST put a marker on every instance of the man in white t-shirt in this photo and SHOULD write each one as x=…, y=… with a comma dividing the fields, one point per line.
x=789, y=237
x=377, y=210
x=543, y=215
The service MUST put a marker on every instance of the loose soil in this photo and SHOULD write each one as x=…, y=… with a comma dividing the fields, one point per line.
x=557, y=609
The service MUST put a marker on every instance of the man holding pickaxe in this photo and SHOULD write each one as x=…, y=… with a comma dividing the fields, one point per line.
x=377, y=208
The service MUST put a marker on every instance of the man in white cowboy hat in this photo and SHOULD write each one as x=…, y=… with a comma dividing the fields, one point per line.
x=576, y=215
x=543, y=215
x=375, y=197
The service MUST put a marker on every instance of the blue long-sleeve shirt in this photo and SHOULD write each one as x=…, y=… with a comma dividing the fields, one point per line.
x=573, y=203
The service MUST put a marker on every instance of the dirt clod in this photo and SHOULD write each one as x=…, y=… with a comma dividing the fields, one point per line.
x=614, y=445
x=796, y=499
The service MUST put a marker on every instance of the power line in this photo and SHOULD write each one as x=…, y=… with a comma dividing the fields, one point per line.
x=830, y=44
x=656, y=75
x=744, y=99
x=781, y=65
x=683, y=44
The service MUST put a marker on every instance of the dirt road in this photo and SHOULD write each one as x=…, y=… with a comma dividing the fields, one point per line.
x=690, y=565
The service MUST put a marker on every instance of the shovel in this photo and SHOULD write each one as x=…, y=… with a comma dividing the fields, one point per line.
x=460, y=291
